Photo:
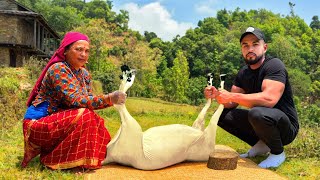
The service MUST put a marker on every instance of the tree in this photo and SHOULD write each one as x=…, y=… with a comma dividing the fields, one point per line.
x=97, y=9
x=291, y=9
x=176, y=79
x=202, y=45
x=230, y=61
x=150, y=36
x=211, y=26
x=61, y=19
x=28, y=3
x=300, y=83
x=315, y=23
x=223, y=17
x=284, y=48
x=315, y=86
x=315, y=92
x=195, y=90
x=122, y=19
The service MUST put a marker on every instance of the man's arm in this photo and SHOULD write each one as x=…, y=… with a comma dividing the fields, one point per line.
x=234, y=89
x=269, y=97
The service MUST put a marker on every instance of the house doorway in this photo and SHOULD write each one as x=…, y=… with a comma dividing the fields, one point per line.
x=13, y=58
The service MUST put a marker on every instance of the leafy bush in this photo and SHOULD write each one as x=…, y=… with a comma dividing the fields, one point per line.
x=313, y=113
x=8, y=86
x=35, y=67
x=97, y=87
x=300, y=83
x=11, y=94
x=308, y=113
x=306, y=145
x=117, y=51
x=195, y=90
x=107, y=74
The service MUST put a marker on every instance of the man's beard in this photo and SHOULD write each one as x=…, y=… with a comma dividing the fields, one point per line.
x=255, y=61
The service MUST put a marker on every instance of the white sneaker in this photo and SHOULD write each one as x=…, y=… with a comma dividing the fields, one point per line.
x=258, y=149
x=245, y=155
x=273, y=160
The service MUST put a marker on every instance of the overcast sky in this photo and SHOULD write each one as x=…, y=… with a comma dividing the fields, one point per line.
x=168, y=18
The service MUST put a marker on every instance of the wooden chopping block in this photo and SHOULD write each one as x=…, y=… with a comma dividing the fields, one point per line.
x=223, y=159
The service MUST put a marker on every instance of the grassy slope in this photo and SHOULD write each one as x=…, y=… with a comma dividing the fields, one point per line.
x=149, y=113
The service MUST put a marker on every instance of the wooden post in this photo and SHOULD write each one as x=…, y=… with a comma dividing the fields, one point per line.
x=35, y=34
x=38, y=36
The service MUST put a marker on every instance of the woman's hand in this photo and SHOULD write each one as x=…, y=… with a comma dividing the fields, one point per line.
x=211, y=92
x=118, y=97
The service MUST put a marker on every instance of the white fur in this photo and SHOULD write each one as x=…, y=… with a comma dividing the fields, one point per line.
x=160, y=146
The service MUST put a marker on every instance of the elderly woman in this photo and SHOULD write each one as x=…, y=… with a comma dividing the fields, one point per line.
x=60, y=123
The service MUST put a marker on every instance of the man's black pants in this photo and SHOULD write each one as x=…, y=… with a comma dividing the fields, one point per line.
x=270, y=125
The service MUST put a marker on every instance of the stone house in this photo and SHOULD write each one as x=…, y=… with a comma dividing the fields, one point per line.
x=24, y=33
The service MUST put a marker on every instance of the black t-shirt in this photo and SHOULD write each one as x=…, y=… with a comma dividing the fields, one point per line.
x=272, y=68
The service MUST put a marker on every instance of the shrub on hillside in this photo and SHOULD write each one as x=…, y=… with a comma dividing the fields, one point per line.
x=97, y=87
x=308, y=113
x=35, y=67
x=8, y=86
x=11, y=97
x=306, y=145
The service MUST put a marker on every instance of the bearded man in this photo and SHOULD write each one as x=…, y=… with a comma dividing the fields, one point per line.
x=268, y=120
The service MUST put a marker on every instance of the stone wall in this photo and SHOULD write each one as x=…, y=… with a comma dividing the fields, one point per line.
x=21, y=57
x=8, y=5
x=25, y=32
x=4, y=57
x=14, y=30
x=9, y=29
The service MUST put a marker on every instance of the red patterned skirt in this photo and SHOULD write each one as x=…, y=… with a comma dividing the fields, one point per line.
x=75, y=137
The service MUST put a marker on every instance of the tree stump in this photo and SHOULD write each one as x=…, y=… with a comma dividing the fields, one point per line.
x=223, y=159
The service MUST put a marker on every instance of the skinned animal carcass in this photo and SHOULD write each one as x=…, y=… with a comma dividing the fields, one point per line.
x=160, y=146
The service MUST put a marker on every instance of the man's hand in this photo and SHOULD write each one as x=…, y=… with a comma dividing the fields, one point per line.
x=211, y=92
x=224, y=97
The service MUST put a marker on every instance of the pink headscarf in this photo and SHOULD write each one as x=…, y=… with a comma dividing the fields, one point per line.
x=58, y=56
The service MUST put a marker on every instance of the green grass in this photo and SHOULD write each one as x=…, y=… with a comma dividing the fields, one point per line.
x=149, y=113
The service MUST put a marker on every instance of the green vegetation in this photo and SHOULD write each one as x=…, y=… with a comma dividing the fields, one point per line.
x=11, y=97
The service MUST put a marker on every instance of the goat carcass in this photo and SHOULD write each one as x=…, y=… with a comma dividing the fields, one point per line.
x=160, y=146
